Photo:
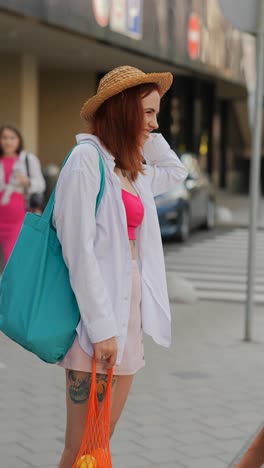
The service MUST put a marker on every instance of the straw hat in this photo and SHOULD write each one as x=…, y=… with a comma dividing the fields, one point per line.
x=118, y=80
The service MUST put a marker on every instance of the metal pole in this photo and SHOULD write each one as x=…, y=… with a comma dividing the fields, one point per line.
x=255, y=172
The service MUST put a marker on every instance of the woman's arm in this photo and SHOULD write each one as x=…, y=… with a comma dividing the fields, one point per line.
x=163, y=167
x=74, y=219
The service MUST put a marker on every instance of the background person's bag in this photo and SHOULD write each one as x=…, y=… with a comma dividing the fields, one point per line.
x=38, y=308
x=95, y=447
x=34, y=200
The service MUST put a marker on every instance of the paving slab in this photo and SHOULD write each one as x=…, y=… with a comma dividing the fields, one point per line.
x=194, y=405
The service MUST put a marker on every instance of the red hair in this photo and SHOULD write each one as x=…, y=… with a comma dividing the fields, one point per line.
x=119, y=123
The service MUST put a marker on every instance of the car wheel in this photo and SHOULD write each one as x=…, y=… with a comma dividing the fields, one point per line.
x=184, y=230
x=210, y=214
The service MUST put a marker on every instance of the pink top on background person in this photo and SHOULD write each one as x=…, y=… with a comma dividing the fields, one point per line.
x=12, y=213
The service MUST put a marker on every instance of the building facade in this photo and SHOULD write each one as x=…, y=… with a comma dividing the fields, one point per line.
x=53, y=53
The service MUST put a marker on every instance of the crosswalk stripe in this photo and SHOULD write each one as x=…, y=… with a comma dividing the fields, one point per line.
x=235, y=269
x=217, y=267
x=224, y=286
x=229, y=297
x=237, y=278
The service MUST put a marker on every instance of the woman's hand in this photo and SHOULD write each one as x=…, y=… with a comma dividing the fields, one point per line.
x=106, y=352
x=23, y=180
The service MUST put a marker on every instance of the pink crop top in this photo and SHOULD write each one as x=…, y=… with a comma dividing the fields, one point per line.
x=134, y=212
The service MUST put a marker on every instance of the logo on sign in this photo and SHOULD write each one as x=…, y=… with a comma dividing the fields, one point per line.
x=101, y=9
x=118, y=16
x=194, y=36
x=126, y=17
x=134, y=18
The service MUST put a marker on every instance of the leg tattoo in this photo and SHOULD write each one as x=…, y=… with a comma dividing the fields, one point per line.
x=80, y=384
x=101, y=383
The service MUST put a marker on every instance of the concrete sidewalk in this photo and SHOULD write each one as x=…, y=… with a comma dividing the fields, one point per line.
x=195, y=405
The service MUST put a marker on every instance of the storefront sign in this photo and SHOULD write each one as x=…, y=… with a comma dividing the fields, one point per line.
x=101, y=9
x=134, y=18
x=118, y=16
x=126, y=18
x=194, y=36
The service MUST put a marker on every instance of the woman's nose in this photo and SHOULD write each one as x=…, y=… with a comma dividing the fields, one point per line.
x=154, y=123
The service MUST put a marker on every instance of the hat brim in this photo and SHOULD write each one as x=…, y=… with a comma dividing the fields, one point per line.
x=163, y=80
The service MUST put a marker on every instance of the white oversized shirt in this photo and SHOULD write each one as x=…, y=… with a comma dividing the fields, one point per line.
x=96, y=250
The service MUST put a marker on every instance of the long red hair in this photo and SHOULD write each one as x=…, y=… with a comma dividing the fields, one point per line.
x=119, y=123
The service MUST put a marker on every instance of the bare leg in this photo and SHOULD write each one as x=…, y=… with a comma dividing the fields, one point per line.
x=120, y=394
x=254, y=457
x=77, y=393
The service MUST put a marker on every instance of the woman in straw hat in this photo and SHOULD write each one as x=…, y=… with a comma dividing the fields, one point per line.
x=115, y=258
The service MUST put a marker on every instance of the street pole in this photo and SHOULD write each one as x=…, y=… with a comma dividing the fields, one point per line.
x=255, y=173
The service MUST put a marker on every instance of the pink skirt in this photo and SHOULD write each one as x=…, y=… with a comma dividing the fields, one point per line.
x=11, y=220
x=133, y=356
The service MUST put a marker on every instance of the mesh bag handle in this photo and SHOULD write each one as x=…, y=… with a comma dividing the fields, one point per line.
x=95, y=451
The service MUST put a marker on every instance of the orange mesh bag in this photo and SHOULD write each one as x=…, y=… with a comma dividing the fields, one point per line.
x=95, y=447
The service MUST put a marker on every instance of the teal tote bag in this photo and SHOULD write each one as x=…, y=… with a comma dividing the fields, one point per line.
x=38, y=308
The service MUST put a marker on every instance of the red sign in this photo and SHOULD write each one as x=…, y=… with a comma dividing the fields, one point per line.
x=194, y=36
x=101, y=10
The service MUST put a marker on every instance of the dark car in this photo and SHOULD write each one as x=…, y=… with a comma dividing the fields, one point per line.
x=190, y=205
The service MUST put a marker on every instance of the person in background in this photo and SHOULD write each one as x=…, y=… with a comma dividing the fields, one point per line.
x=15, y=185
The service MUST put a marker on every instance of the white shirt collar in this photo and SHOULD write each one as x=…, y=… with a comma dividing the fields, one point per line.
x=83, y=136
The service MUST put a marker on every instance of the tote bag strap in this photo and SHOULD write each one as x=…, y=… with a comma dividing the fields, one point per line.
x=47, y=213
x=102, y=171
